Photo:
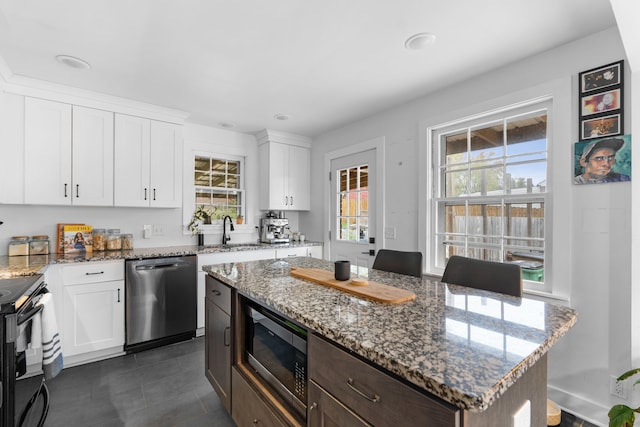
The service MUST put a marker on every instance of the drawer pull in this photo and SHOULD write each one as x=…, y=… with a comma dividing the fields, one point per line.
x=255, y=421
x=93, y=274
x=216, y=292
x=227, y=341
x=373, y=399
x=313, y=406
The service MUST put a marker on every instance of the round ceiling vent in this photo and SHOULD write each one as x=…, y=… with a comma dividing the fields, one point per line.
x=73, y=62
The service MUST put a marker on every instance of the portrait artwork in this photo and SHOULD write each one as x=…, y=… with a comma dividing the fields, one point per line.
x=602, y=160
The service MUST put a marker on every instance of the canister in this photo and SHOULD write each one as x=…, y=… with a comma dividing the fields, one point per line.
x=99, y=239
x=114, y=240
x=127, y=241
x=19, y=245
x=39, y=245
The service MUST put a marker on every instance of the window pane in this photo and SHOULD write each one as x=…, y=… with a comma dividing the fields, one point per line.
x=455, y=183
x=527, y=178
x=203, y=197
x=218, y=180
x=219, y=166
x=455, y=218
x=233, y=168
x=364, y=204
x=364, y=230
x=455, y=148
x=353, y=179
x=201, y=179
x=526, y=134
x=232, y=181
x=487, y=180
x=487, y=141
x=343, y=180
x=344, y=205
x=364, y=176
x=201, y=163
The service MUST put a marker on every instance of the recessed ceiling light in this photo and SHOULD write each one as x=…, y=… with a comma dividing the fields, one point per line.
x=73, y=62
x=420, y=41
x=281, y=116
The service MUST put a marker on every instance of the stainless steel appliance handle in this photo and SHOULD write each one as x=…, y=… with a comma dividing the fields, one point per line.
x=25, y=317
x=157, y=266
x=227, y=341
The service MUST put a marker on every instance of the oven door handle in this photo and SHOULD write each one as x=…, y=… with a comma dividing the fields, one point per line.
x=25, y=317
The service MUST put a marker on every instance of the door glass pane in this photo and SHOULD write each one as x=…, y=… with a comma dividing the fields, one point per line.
x=353, y=204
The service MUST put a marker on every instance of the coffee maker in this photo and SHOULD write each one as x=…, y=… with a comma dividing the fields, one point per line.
x=273, y=230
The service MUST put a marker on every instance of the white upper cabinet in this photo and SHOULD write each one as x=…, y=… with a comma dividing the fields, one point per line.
x=284, y=171
x=68, y=154
x=147, y=163
x=92, y=158
x=166, y=165
x=47, y=143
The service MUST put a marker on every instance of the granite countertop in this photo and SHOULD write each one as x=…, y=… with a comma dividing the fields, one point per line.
x=30, y=265
x=463, y=345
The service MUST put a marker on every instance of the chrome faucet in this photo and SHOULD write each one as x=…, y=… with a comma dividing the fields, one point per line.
x=226, y=238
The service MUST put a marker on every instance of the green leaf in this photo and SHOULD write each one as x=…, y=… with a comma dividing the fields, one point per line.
x=628, y=374
x=621, y=416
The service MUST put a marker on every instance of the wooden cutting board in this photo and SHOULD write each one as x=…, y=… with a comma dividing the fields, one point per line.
x=372, y=290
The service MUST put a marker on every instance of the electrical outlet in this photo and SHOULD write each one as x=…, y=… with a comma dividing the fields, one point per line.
x=390, y=232
x=522, y=418
x=158, y=230
x=617, y=388
x=147, y=231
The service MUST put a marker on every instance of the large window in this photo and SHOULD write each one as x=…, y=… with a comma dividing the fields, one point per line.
x=353, y=204
x=490, y=189
x=218, y=186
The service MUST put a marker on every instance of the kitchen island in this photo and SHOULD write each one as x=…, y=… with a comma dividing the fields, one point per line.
x=465, y=347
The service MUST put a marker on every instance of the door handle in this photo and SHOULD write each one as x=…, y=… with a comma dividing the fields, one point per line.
x=227, y=342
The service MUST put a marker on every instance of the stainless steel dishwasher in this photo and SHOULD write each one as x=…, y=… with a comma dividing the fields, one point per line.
x=161, y=301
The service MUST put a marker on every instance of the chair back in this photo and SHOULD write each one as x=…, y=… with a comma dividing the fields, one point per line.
x=401, y=262
x=488, y=275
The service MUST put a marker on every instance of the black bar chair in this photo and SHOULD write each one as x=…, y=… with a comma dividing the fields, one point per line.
x=488, y=275
x=409, y=263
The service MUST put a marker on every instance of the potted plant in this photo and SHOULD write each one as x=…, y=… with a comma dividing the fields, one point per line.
x=202, y=215
x=623, y=415
x=239, y=219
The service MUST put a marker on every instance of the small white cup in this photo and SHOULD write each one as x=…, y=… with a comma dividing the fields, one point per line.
x=302, y=237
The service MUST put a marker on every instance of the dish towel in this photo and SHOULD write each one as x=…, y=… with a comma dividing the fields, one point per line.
x=44, y=333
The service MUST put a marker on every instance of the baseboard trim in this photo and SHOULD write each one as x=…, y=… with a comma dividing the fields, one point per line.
x=588, y=410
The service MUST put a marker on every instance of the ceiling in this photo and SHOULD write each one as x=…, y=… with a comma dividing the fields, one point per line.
x=323, y=63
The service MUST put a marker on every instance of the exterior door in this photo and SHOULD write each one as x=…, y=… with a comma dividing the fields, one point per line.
x=353, y=221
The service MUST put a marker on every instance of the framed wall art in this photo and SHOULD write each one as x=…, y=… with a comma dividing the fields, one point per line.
x=600, y=101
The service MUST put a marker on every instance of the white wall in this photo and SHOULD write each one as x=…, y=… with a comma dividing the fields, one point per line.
x=591, y=262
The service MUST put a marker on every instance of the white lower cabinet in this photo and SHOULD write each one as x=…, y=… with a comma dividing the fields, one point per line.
x=92, y=308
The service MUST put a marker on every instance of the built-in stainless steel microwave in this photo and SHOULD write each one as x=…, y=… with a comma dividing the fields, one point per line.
x=277, y=349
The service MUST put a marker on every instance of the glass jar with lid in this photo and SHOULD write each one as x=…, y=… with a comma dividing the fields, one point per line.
x=39, y=245
x=114, y=239
x=127, y=241
x=19, y=245
x=99, y=239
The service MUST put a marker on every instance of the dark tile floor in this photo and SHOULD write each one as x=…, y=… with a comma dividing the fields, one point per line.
x=162, y=387
x=159, y=387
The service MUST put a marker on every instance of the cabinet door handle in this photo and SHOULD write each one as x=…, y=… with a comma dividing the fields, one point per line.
x=77, y=190
x=313, y=406
x=216, y=292
x=154, y=194
x=291, y=200
x=227, y=341
x=65, y=190
x=255, y=421
x=145, y=193
x=118, y=294
x=286, y=200
x=373, y=399
x=93, y=274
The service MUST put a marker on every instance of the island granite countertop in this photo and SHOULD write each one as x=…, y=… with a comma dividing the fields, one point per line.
x=463, y=345
x=36, y=264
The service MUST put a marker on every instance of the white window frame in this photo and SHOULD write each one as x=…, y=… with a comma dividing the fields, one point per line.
x=433, y=178
x=191, y=206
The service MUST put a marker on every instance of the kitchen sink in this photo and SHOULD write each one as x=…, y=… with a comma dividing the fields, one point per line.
x=237, y=246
